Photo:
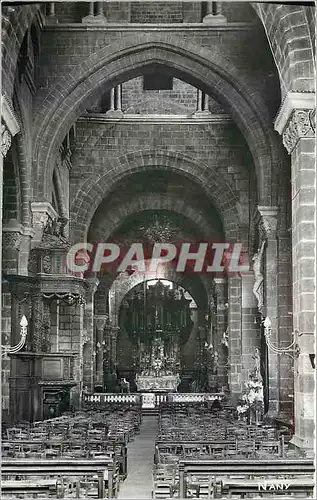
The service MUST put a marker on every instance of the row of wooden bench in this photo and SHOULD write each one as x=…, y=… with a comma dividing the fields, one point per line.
x=103, y=472
x=184, y=449
x=213, y=479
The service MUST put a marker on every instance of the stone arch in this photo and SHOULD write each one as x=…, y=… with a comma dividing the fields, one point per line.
x=151, y=201
x=94, y=190
x=289, y=30
x=125, y=284
x=112, y=65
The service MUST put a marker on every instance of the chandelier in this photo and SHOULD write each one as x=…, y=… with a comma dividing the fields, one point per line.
x=159, y=229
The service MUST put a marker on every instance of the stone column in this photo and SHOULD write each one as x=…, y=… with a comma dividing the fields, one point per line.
x=214, y=14
x=16, y=247
x=51, y=14
x=99, y=18
x=9, y=128
x=222, y=325
x=91, y=14
x=235, y=336
x=206, y=103
x=199, y=100
x=267, y=218
x=99, y=349
x=112, y=108
x=114, y=331
x=251, y=335
x=11, y=242
x=296, y=123
x=115, y=110
x=119, y=105
x=88, y=348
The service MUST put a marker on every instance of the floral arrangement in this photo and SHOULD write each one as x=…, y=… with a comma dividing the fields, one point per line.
x=253, y=397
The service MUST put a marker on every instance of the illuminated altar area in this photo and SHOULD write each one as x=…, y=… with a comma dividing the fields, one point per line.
x=158, y=368
x=155, y=323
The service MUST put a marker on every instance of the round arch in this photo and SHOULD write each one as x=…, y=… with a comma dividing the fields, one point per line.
x=93, y=191
x=123, y=284
x=117, y=213
x=195, y=64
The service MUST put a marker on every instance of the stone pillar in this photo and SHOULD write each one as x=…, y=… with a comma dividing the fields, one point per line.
x=251, y=335
x=88, y=345
x=99, y=349
x=115, y=110
x=267, y=222
x=199, y=100
x=16, y=247
x=222, y=325
x=91, y=14
x=235, y=336
x=9, y=128
x=51, y=14
x=296, y=123
x=202, y=104
x=206, y=103
x=114, y=331
x=214, y=14
x=99, y=18
x=112, y=108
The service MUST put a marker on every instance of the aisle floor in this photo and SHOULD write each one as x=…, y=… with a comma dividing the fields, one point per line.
x=138, y=483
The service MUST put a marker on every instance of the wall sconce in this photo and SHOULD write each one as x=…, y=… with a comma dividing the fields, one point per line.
x=292, y=350
x=23, y=332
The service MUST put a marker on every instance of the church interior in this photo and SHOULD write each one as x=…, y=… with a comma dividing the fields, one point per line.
x=144, y=125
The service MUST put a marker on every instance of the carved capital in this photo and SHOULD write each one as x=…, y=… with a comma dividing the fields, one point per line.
x=11, y=240
x=301, y=124
x=42, y=213
x=267, y=219
x=5, y=140
x=101, y=321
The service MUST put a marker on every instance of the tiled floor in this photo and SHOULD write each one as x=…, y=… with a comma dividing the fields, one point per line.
x=138, y=484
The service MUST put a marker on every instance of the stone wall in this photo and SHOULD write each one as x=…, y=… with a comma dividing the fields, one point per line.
x=182, y=99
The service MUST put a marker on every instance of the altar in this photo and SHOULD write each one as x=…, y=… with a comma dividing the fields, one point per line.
x=164, y=383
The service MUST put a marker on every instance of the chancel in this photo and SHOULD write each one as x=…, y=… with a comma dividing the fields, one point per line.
x=158, y=244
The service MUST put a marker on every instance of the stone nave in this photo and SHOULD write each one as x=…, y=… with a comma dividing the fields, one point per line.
x=140, y=142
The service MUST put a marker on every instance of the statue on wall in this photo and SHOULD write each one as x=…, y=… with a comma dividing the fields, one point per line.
x=54, y=234
x=258, y=283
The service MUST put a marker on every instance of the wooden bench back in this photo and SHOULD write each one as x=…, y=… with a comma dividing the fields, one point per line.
x=102, y=467
x=243, y=468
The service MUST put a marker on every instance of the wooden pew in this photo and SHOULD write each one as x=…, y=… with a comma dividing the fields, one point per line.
x=242, y=469
x=103, y=468
x=231, y=487
x=184, y=449
x=51, y=487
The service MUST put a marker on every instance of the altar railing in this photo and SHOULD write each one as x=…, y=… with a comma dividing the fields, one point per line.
x=104, y=398
x=194, y=397
x=151, y=399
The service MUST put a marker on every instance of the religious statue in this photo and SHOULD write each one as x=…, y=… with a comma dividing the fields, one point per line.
x=258, y=283
x=256, y=372
x=54, y=234
x=216, y=362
